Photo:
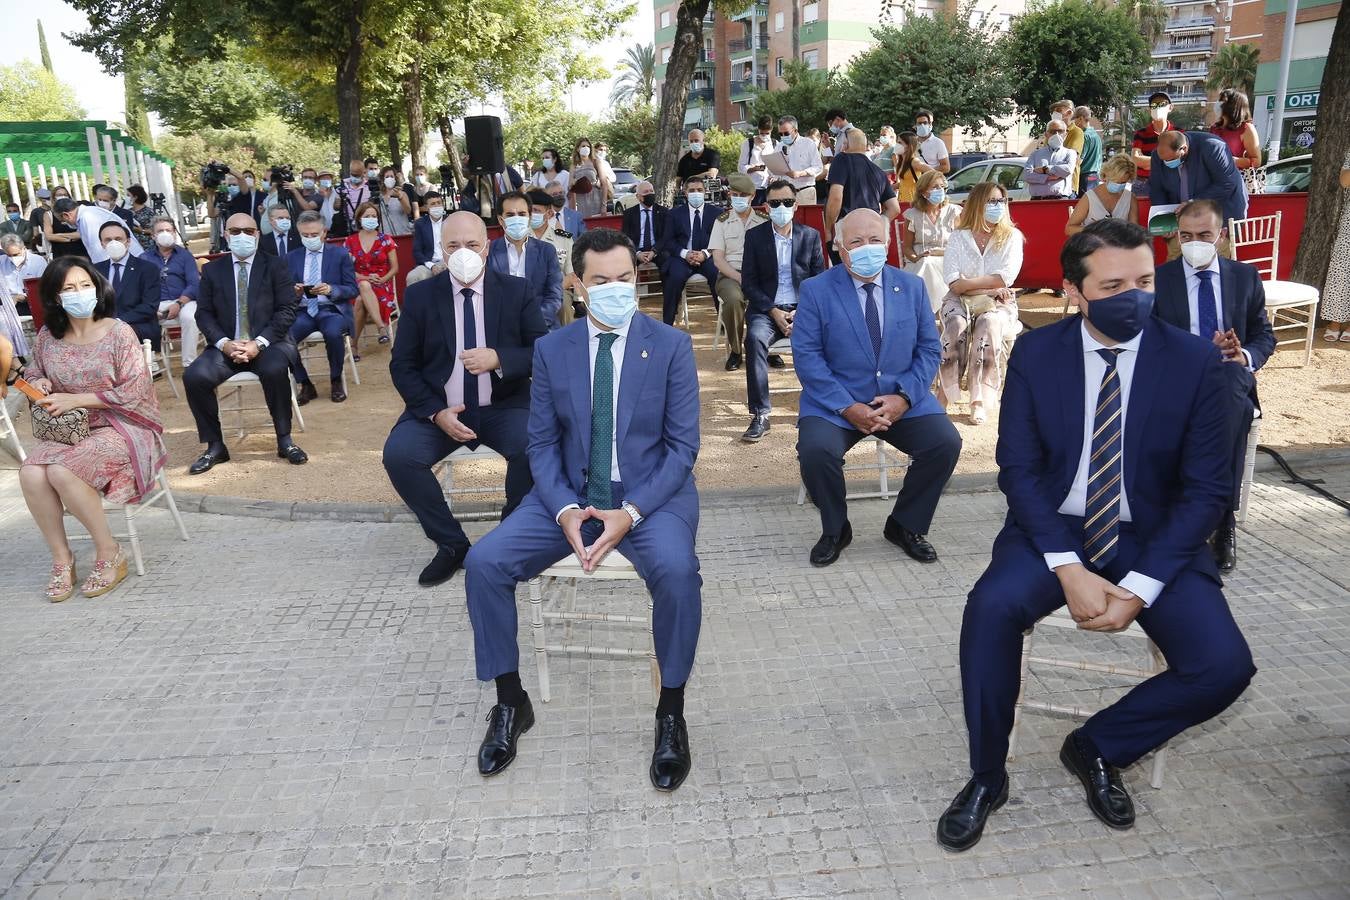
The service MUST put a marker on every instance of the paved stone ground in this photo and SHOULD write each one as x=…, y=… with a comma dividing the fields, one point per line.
x=276, y=709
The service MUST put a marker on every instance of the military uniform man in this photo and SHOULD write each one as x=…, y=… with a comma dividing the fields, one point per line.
x=546, y=227
x=727, y=243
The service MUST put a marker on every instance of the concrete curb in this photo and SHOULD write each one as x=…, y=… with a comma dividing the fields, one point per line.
x=312, y=511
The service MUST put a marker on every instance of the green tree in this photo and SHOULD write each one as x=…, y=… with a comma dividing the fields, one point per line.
x=1047, y=50
x=42, y=48
x=631, y=135
x=727, y=143
x=637, y=79
x=1234, y=66
x=1149, y=16
x=949, y=63
x=259, y=144
x=30, y=93
x=536, y=119
x=808, y=95
x=221, y=91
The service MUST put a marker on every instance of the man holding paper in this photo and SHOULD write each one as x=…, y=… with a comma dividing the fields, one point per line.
x=797, y=160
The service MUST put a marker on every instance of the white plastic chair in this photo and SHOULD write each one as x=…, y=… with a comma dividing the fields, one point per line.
x=8, y=432
x=234, y=391
x=887, y=458
x=1249, y=468
x=308, y=353
x=1291, y=306
x=1061, y=619
x=446, y=468
x=166, y=347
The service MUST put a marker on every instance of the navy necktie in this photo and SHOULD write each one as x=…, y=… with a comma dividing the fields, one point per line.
x=646, y=229
x=873, y=318
x=1101, y=513
x=117, y=277
x=1207, y=306
x=696, y=242
x=470, y=415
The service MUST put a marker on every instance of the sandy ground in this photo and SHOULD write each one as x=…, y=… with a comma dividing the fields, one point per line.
x=1305, y=407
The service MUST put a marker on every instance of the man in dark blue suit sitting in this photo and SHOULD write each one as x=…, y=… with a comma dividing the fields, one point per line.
x=325, y=286
x=135, y=282
x=866, y=350
x=613, y=438
x=1113, y=452
x=461, y=362
x=683, y=249
x=517, y=253
x=1196, y=165
x=426, y=244
x=1224, y=302
x=776, y=261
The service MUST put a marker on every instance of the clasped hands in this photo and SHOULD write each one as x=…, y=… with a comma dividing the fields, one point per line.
x=1095, y=603
x=877, y=415
x=696, y=257
x=617, y=524
x=241, y=351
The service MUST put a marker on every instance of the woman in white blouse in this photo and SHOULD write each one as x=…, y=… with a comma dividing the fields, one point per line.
x=979, y=314
x=929, y=224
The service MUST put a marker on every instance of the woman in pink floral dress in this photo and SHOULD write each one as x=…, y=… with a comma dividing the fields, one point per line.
x=375, y=257
x=86, y=359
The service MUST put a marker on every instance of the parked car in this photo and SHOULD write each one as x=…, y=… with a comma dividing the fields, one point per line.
x=1287, y=175
x=625, y=187
x=1007, y=171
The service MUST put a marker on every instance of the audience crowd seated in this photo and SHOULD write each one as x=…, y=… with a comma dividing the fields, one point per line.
x=178, y=281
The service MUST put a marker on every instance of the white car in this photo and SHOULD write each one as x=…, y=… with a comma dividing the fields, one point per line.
x=1006, y=170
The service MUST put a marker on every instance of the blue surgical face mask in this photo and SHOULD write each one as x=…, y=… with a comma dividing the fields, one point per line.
x=787, y=139
x=282, y=225
x=1173, y=163
x=1121, y=316
x=936, y=196
x=993, y=213
x=866, y=261
x=312, y=243
x=325, y=183
x=79, y=304
x=695, y=199
x=14, y=217
x=243, y=245
x=696, y=147
x=1115, y=187
x=740, y=204
x=266, y=186
x=923, y=131
x=232, y=190
x=612, y=303
x=516, y=227
x=369, y=224
x=537, y=220
x=307, y=183
x=781, y=215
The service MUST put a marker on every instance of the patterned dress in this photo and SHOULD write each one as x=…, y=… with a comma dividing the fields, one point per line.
x=375, y=263
x=123, y=453
x=1336, y=292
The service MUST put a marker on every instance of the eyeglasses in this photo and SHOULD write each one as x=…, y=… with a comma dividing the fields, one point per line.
x=1161, y=104
x=787, y=204
x=999, y=201
x=236, y=231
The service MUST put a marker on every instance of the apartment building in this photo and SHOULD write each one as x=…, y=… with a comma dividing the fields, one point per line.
x=1194, y=32
x=1313, y=27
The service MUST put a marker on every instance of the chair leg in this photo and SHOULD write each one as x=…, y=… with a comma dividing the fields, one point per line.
x=883, y=462
x=134, y=537
x=1159, y=664
x=168, y=370
x=1021, y=692
x=172, y=505
x=356, y=373
x=537, y=633
x=295, y=404
x=1312, y=327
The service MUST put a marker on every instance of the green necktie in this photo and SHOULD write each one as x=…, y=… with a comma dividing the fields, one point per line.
x=598, y=492
x=241, y=286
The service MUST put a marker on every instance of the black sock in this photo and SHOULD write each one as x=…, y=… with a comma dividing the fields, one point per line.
x=1086, y=746
x=992, y=780
x=671, y=702
x=509, y=690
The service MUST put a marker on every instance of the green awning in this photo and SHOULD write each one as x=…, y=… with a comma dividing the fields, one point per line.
x=65, y=144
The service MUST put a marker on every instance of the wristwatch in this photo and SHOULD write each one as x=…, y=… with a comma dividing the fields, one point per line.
x=632, y=511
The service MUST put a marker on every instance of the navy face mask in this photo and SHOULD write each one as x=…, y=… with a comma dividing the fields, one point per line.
x=1121, y=316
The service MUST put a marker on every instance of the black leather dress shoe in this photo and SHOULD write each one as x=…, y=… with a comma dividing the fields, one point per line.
x=759, y=426
x=306, y=393
x=670, y=759
x=960, y=827
x=443, y=567
x=916, y=546
x=827, y=549
x=505, y=726
x=733, y=362
x=1224, y=545
x=213, y=456
x=1106, y=796
x=292, y=454
x=338, y=394
x=776, y=361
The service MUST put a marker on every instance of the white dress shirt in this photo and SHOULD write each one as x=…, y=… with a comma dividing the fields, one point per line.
x=646, y=228
x=12, y=277
x=804, y=156
x=454, y=388
x=752, y=155
x=1193, y=300
x=1094, y=367
x=515, y=258
x=782, y=248
x=88, y=220
x=702, y=211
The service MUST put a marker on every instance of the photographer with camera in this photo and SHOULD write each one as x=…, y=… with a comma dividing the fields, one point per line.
x=304, y=192
x=222, y=186
x=339, y=209
x=249, y=199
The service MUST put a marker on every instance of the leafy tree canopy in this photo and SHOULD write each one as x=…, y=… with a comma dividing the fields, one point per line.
x=808, y=95
x=29, y=93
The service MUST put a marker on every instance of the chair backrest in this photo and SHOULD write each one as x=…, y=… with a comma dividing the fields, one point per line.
x=1261, y=233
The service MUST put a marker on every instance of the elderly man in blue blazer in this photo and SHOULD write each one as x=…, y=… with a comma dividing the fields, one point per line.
x=613, y=438
x=683, y=249
x=1196, y=165
x=1223, y=302
x=517, y=253
x=866, y=349
x=776, y=261
x=1113, y=447
x=325, y=286
x=135, y=282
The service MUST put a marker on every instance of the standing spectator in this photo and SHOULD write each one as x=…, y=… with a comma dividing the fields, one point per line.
x=700, y=160
x=1146, y=140
x=980, y=311
x=141, y=214
x=589, y=192
x=1074, y=139
x=932, y=149
x=1050, y=168
x=929, y=224
x=375, y=256
x=339, y=211
x=803, y=158
x=552, y=167
x=839, y=125
x=727, y=243
x=61, y=235
x=87, y=220
x=885, y=155
x=105, y=197
x=1111, y=198
x=906, y=175
x=305, y=192
x=38, y=215
x=17, y=263
x=751, y=161
x=250, y=198
x=16, y=224
x=1336, y=291
x=178, y=283
x=1090, y=163
x=421, y=186
x=604, y=168
x=856, y=184
x=1236, y=130
x=1196, y=165
x=396, y=208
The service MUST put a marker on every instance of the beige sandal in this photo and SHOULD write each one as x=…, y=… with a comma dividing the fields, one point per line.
x=107, y=574
x=62, y=583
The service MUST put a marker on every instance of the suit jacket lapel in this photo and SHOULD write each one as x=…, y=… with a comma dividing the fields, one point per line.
x=256, y=276
x=1071, y=393
x=637, y=350
x=492, y=308
x=1150, y=371
x=847, y=296
x=1178, y=301
x=1229, y=290
x=445, y=310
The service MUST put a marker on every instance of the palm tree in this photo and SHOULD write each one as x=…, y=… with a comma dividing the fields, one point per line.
x=637, y=81
x=1151, y=16
x=1234, y=66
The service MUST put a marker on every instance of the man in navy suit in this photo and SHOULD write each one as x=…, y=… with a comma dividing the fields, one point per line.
x=516, y=253
x=866, y=350
x=684, y=247
x=135, y=282
x=613, y=438
x=568, y=219
x=1224, y=302
x=426, y=248
x=645, y=224
x=245, y=307
x=281, y=241
x=1113, y=453
x=461, y=362
x=1196, y=165
x=325, y=286
x=775, y=263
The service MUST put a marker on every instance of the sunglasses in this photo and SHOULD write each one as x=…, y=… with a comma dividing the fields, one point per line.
x=1159, y=105
x=235, y=231
x=789, y=203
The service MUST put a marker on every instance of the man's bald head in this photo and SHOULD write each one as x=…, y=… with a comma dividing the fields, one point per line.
x=464, y=229
x=857, y=141
x=241, y=220
x=863, y=226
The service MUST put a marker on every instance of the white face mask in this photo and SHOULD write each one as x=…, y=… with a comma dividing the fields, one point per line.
x=436, y=212
x=115, y=250
x=314, y=244
x=105, y=204
x=165, y=238
x=390, y=182
x=1159, y=114
x=465, y=266
x=583, y=152
x=1198, y=253
x=1055, y=141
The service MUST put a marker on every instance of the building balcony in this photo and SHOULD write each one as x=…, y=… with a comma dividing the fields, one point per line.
x=707, y=59
x=1190, y=73
x=758, y=10
x=700, y=95
x=1196, y=23
x=1189, y=48
x=743, y=90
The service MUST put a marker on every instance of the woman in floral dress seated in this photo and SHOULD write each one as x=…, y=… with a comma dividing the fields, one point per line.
x=375, y=256
x=84, y=358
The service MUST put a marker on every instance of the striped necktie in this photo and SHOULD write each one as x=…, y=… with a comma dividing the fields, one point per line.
x=1101, y=525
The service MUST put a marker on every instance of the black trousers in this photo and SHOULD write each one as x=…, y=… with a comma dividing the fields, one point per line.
x=210, y=370
x=932, y=442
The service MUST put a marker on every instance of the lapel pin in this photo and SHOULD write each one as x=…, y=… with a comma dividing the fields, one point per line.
x=644, y=354
x=896, y=289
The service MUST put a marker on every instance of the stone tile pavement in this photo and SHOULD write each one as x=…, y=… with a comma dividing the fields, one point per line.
x=276, y=709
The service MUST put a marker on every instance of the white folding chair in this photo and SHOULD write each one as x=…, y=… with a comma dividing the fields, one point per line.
x=1249, y=467
x=699, y=287
x=314, y=348
x=565, y=576
x=1291, y=306
x=1061, y=619
x=166, y=347
x=234, y=395
x=8, y=432
x=887, y=458
x=446, y=468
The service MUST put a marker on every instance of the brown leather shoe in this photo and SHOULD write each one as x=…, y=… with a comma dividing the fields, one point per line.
x=338, y=394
